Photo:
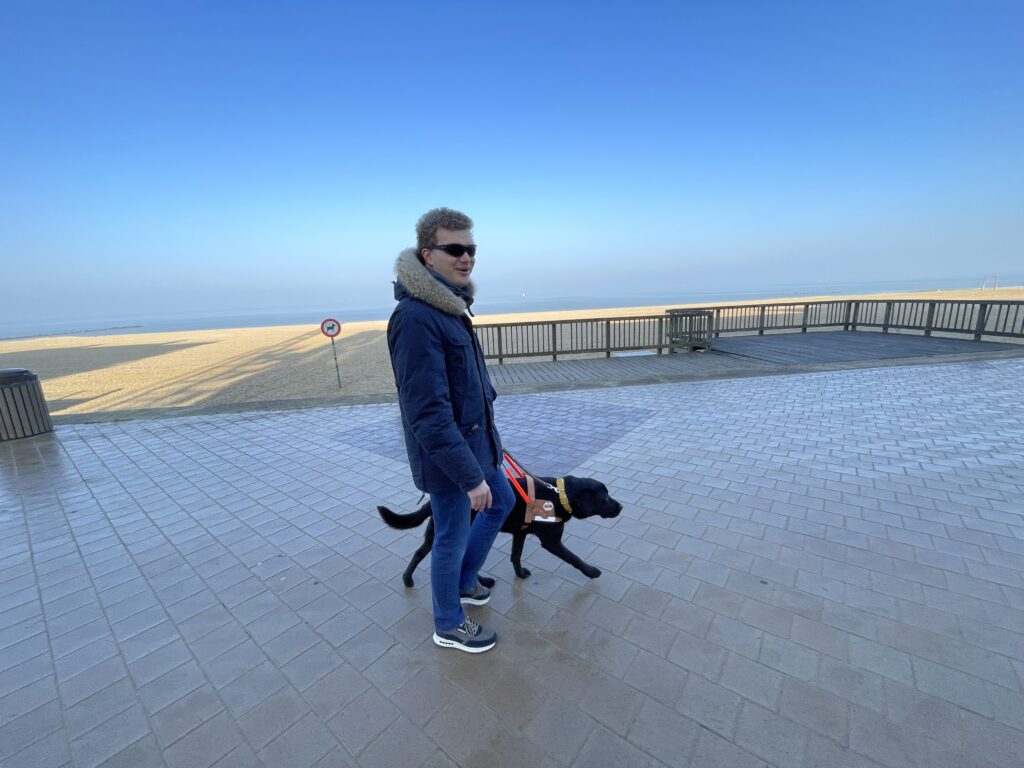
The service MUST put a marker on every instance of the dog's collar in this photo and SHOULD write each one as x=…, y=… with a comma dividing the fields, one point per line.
x=563, y=497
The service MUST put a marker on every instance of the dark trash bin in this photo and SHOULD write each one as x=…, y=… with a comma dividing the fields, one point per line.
x=23, y=411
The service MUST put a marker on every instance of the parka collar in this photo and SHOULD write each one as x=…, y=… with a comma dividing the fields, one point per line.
x=414, y=279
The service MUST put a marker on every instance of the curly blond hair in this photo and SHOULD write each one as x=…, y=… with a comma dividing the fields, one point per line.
x=445, y=218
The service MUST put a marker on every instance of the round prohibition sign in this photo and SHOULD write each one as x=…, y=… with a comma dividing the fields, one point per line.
x=330, y=328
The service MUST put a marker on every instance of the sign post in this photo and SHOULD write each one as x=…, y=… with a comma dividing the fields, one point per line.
x=331, y=328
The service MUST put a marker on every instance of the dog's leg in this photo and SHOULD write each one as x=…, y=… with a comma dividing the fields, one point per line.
x=551, y=540
x=419, y=554
x=518, y=540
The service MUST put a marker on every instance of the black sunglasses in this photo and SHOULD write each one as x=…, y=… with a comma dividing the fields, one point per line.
x=456, y=249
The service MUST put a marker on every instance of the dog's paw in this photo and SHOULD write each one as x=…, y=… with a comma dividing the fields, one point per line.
x=485, y=581
x=523, y=573
x=407, y=580
x=591, y=572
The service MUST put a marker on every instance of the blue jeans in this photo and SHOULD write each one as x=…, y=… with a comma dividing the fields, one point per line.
x=460, y=548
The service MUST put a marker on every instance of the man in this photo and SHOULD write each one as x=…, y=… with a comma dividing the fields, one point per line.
x=446, y=399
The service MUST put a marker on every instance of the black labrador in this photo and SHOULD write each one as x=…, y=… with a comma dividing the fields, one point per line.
x=586, y=498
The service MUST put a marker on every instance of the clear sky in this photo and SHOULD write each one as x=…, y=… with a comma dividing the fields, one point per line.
x=201, y=157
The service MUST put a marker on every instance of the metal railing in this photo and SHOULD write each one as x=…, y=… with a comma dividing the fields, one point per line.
x=556, y=338
x=561, y=337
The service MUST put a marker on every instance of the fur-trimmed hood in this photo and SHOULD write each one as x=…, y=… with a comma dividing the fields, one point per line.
x=414, y=279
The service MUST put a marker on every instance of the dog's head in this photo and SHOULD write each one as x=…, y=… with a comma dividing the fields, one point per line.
x=590, y=497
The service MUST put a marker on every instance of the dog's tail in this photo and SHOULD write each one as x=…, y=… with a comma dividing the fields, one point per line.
x=404, y=522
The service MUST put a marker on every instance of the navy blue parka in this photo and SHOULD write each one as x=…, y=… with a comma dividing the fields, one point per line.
x=444, y=393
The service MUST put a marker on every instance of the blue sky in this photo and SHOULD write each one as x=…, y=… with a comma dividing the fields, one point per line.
x=193, y=158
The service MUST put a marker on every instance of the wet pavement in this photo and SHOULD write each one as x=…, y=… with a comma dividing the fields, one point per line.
x=824, y=569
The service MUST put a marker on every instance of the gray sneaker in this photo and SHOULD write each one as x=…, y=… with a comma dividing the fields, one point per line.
x=478, y=595
x=468, y=636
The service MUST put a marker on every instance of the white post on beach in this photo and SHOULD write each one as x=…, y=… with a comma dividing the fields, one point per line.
x=331, y=328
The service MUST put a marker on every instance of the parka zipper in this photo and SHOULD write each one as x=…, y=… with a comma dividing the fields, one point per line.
x=477, y=354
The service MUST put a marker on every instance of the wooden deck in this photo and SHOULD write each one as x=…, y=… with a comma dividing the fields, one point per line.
x=748, y=356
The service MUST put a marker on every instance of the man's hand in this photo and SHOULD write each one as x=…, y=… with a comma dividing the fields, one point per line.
x=480, y=497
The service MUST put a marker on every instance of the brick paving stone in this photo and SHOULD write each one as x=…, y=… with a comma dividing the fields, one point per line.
x=711, y=705
x=603, y=749
x=27, y=698
x=880, y=659
x=252, y=687
x=767, y=617
x=876, y=737
x=109, y=738
x=952, y=685
x=242, y=756
x=996, y=742
x=49, y=752
x=232, y=664
x=752, y=680
x=99, y=707
x=462, y=727
x=205, y=745
x=311, y=665
x=506, y=748
x=144, y=753
x=685, y=615
x=713, y=751
x=181, y=716
x=656, y=677
x=651, y=634
x=771, y=737
x=821, y=637
x=17, y=733
x=822, y=753
x=559, y=728
x=698, y=655
x=736, y=636
x=301, y=745
x=95, y=678
x=427, y=691
x=363, y=720
x=816, y=709
x=392, y=670
x=932, y=716
x=665, y=734
x=158, y=662
x=612, y=703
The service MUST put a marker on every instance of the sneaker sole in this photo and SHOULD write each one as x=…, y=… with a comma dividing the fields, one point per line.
x=445, y=643
x=474, y=600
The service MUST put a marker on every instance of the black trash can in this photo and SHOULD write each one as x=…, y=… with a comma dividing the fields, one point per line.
x=23, y=411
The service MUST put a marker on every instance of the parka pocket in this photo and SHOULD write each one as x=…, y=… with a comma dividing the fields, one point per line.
x=458, y=353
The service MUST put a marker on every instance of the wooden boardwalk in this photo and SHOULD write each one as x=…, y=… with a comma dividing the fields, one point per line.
x=747, y=356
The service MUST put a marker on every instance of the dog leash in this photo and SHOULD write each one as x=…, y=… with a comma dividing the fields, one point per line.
x=523, y=472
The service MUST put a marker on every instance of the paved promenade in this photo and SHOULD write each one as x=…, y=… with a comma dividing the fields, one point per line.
x=748, y=355
x=822, y=569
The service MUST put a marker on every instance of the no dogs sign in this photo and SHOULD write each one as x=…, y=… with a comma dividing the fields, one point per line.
x=330, y=327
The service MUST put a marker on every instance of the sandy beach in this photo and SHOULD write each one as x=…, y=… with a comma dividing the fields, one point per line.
x=141, y=374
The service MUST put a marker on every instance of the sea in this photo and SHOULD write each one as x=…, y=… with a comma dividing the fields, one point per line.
x=263, y=318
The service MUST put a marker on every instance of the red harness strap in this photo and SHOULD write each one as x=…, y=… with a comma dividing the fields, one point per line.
x=512, y=479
